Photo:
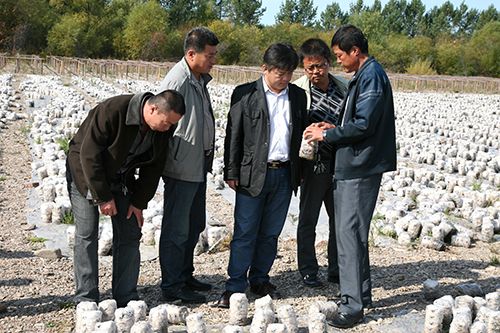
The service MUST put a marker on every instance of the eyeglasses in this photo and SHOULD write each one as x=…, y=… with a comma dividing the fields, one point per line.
x=311, y=68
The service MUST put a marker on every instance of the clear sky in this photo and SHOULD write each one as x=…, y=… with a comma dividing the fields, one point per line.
x=273, y=6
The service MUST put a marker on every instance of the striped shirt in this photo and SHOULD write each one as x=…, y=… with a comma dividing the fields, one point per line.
x=325, y=106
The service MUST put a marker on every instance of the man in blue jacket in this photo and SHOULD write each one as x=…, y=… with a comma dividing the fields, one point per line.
x=365, y=148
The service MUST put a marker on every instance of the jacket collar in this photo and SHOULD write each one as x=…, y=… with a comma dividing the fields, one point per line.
x=189, y=74
x=362, y=68
x=135, y=107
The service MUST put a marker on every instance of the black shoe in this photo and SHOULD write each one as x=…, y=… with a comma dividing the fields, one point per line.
x=185, y=295
x=197, y=285
x=311, y=280
x=263, y=289
x=224, y=299
x=333, y=279
x=368, y=305
x=345, y=320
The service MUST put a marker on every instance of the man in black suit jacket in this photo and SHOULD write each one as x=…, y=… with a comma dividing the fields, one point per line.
x=263, y=135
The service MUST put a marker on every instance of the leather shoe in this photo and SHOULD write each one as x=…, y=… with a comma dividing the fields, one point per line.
x=263, y=289
x=197, y=285
x=224, y=299
x=368, y=305
x=345, y=320
x=333, y=279
x=311, y=280
x=185, y=295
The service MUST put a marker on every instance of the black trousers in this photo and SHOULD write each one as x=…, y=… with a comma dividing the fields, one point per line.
x=315, y=190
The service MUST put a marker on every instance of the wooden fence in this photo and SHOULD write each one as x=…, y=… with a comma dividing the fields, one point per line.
x=155, y=71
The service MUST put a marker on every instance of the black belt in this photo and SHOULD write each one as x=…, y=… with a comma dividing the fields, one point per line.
x=278, y=164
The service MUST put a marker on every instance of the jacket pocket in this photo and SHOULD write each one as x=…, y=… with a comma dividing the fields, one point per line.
x=176, y=148
x=246, y=170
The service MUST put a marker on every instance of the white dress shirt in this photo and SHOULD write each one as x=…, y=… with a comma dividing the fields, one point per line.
x=279, y=118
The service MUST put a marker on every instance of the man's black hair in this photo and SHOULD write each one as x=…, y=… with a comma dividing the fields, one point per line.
x=198, y=38
x=281, y=56
x=315, y=47
x=348, y=36
x=169, y=100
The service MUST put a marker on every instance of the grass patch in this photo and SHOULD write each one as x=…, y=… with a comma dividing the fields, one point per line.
x=63, y=144
x=25, y=130
x=2, y=178
x=378, y=216
x=476, y=186
x=68, y=218
x=66, y=305
x=494, y=261
x=36, y=240
x=38, y=141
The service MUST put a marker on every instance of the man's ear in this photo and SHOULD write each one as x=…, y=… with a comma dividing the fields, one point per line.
x=190, y=54
x=356, y=50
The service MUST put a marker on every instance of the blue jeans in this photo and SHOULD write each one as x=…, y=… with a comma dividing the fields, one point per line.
x=184, y=218
x=126, y=255
x=258, y=222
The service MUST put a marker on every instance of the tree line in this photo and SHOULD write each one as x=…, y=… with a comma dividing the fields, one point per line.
x=403, y=35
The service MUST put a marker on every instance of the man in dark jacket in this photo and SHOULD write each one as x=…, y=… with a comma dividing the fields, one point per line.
x=119, y=136
x=365, y=148
x=261, y=157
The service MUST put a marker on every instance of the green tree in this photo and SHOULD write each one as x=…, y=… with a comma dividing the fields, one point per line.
x=75, y=34
x=371, y=23
x=191, y=12
x=483, y=51
x=357, y=7
x=292, y=33
x=398, y=52
x=439, y=20
x=245, y=12
x=113, y=23
x=297, y=11
x=450, y=56
x=145, y=31
x=414, y=18
x=332, y=17
x=464, y=20
x=24, y=25
x=486, y=16
x=90, y=7
x=403, y=17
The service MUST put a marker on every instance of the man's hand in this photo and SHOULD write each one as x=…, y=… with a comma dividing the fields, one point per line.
x=232, y=183
x=138, y=215
x=324, y=125
x=108, y=208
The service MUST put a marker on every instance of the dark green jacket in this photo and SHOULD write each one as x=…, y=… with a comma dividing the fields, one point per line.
x=100, y=148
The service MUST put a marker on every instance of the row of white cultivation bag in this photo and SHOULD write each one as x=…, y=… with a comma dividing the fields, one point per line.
x=9, y=100
x=445, y=190
x=134, y=318
x=59, y=111
x=464, y=314
x=425, y=201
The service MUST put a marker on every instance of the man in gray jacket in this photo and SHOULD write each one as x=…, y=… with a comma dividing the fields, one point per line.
x=189, y=158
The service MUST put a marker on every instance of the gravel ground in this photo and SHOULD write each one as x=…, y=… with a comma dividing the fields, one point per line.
x=35, y=293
